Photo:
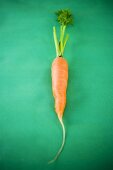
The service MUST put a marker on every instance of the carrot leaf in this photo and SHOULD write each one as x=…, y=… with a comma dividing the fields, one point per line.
x=64, y=17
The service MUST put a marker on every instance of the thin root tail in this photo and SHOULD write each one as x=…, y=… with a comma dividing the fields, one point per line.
x=62, y=145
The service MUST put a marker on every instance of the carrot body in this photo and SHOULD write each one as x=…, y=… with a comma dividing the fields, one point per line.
x=59, y=84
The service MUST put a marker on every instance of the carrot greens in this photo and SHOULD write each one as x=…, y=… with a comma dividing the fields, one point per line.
x=64, y=17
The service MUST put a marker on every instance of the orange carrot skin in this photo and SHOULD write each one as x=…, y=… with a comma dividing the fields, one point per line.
x=59, y=84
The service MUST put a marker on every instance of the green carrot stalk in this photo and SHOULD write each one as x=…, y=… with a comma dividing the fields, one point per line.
x=64, y=17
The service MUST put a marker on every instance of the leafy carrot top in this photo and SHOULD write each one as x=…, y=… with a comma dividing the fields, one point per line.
x=64, y=17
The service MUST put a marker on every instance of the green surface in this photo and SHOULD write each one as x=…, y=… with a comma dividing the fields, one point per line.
x=30, y=133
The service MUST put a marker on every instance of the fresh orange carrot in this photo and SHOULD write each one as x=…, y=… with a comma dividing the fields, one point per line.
x=59, y=71
x=59, y=84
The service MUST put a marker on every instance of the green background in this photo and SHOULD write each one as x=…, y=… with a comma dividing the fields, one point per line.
x=30, y=133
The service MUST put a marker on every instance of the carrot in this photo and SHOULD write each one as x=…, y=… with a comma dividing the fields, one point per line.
x=59, y=84
x=59, y=71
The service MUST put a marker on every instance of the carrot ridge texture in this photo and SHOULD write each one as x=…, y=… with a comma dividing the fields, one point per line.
x=59, y=84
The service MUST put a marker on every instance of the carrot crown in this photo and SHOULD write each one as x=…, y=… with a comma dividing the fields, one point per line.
x=64, y=17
